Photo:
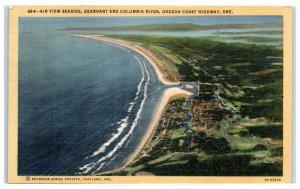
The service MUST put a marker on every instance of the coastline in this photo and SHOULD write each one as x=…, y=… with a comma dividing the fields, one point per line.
x=166, y=96
x=164, y=100
x=142, y=51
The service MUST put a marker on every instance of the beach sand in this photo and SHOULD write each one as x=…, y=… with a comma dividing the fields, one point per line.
x=167, y=95
x=137, y=48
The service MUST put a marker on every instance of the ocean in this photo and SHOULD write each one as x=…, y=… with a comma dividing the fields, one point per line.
x=85, y=105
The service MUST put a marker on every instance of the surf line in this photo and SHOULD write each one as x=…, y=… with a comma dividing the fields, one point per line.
x=100, y=163
x=124, y=122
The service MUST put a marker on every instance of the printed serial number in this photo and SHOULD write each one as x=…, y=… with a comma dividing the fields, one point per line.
x=272, y=179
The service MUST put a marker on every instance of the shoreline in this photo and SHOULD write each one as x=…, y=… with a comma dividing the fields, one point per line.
x=127, y=44
x=163, y=101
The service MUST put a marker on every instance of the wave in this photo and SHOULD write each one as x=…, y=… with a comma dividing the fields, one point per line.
x=134, y=124
x=100, y=163
x=123, y=123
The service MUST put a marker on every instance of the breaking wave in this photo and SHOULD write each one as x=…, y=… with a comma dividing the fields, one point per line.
x=106, y=157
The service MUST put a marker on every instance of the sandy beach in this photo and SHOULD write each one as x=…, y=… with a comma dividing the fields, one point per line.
x=170, y=92
x=137, y=48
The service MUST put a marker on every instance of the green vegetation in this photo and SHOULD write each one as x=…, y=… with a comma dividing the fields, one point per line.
x=239, y=32
x=208, y=154
x=255, y=39
x=236, y=118
x=168, y=61
x=176, y=27
x=265, y=32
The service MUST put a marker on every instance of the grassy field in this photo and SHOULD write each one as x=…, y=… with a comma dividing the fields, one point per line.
x=237, y=116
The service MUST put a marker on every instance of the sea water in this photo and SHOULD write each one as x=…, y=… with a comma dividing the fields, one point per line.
x=84, y=105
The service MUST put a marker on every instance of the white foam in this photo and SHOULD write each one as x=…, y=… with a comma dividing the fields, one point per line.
x=110, y=154
x=87, y=168
x=134, y=124
x=123, y=123
x=99, y=168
